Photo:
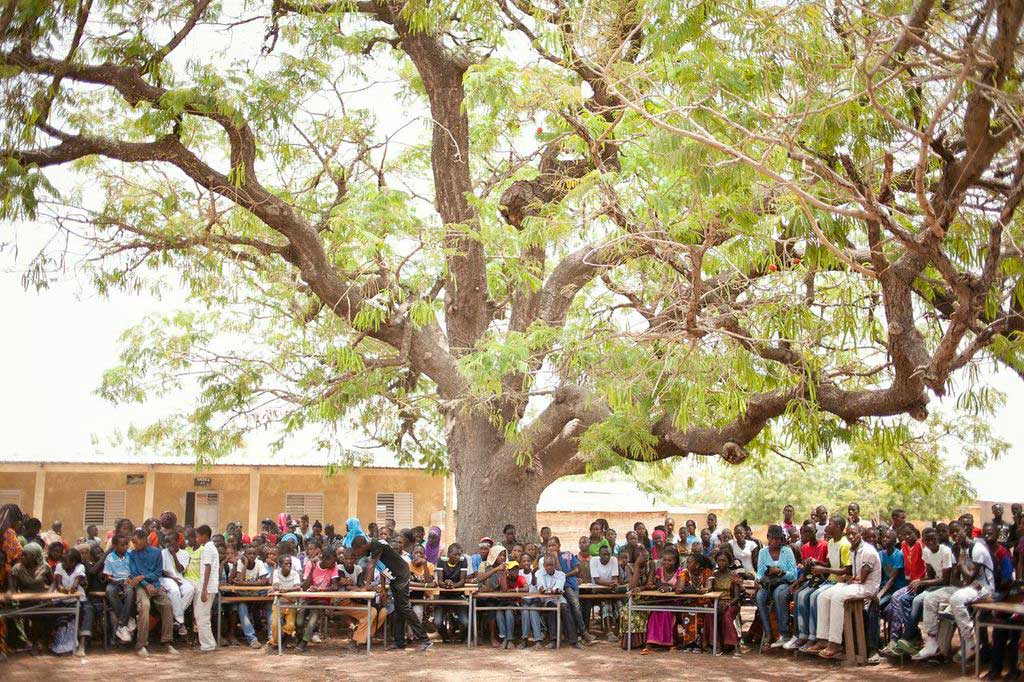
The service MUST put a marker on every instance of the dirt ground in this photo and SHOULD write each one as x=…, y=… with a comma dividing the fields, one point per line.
x=601, y=661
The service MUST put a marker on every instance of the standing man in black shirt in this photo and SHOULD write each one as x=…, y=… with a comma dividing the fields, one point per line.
x=398, y=572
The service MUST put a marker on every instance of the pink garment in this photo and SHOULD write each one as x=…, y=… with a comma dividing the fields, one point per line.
x=661, y=625
x=282, y=522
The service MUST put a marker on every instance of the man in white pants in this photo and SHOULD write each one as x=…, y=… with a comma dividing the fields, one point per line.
x=206, y=595
x=974, y=571
x=862, y=583
x=179, y=590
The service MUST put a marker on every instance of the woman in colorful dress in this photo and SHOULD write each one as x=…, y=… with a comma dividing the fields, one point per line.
x=10, y=551
x=633, y=631
x=661, y=625
x=694, y=579
x=726, y=579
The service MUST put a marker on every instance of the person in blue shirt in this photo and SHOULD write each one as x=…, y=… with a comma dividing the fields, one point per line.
x=120, y=591
x=146, y=566
x=776, y=570
x=893, y=576
x=569, y=564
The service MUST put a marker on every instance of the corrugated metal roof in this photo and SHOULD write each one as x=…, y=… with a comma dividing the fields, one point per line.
x=378, y=460
x=576, y=495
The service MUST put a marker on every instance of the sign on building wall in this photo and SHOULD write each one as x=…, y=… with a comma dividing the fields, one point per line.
x=201, y=482
x=135, y=479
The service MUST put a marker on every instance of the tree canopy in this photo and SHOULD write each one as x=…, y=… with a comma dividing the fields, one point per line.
x=562, y=236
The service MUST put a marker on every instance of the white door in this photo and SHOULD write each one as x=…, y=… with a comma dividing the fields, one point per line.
x=208, y=509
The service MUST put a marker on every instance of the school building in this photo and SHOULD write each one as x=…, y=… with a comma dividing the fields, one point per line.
x=99, y=490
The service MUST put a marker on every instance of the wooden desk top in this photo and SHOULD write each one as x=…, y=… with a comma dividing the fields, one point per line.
x=326, y=595
x=36, y=596
x=515, y=595
x=1000, y=607
x=673, y=595
x=244, y=588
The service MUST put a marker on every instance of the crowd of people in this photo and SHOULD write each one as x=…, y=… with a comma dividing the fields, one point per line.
x=798, y=582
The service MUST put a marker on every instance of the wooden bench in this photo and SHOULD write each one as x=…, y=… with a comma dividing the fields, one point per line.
x=854, y=636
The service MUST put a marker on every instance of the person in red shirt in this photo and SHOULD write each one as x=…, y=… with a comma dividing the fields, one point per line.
x=912, y=547
x=812, y=551
x=510, y=581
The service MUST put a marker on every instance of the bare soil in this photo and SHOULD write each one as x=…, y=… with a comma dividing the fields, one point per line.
x=601, y=661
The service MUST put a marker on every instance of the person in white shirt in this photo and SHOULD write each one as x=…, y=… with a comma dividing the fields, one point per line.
x=975, y=571
x=552, y=581
x=206, y=595
x=285, y=580
x=862, y=583
x=604, y=570
x=180, y=591
x=250, y=571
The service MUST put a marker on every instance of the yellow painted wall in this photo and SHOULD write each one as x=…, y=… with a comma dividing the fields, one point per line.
x=23, y=481
x=66, y=485
x=170, y=489
x=274, y=486
x=65, y=497
x=427, y=490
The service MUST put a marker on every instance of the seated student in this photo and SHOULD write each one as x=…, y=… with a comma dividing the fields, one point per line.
x=531, y=623
x=284, y=580
x=907, y=605
x=120, y=590
x=321, y=576
x=862, y=583
x=146, y=566
x=612, y=537
x=180, y=591
x=691, y=532
x=54, y=553
x=91, y=536
x=813, y=552
x=776, y=571
x=483, y=549
x=809, y=600
x=451, y=573
x=630, y=545
x=597, y=540
x=1001, y=559
x=249, y=571
x=69, y=578
x=95, y=583
x=695, y=578
x=55, y=535
x=545, y=535
x=350, y=577
x=744, y=550
x=604, y=571
x=657, y=545
x=625, y=569
x=551, y=581
x=893, y=576
x=971, y=579
x=30, y=528
x=509, y=580
x=569, y=564
x=421, y=571
x=725, y=579
x=661, y=625
x=32, y=574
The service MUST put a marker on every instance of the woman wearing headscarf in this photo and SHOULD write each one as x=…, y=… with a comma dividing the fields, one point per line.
x=657, y=544
x=10, y=551
x=489, y=576
x=432, y=548
x=353, y=531
x=32, y=574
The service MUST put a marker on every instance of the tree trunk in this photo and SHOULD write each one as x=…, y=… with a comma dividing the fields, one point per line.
x=492, y=490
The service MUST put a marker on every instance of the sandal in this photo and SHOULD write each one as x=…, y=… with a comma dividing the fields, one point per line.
x=646, y=650
x=829, y=655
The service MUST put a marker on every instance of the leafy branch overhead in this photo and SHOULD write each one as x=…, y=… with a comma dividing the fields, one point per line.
x=572, y=235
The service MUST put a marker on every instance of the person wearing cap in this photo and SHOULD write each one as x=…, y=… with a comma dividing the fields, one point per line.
x=509, y=580
x=267, y=530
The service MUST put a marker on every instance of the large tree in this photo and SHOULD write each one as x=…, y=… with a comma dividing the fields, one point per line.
x=736, y=230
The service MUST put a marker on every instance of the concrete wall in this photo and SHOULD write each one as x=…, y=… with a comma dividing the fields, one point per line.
x=274, y=486
x=247, y=494
x=65, y=497
x=25, y=483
